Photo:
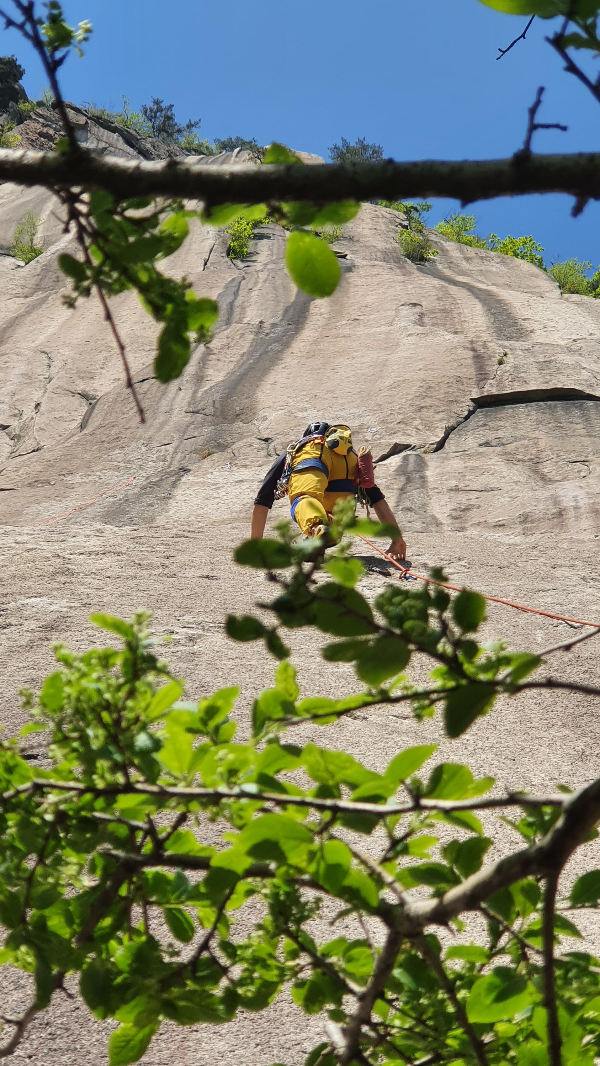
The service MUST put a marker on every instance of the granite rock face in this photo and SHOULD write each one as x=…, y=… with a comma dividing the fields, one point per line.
x=475, y=382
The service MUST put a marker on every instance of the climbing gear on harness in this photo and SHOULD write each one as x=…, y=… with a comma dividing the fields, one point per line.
x=366, y=476
x=366, y=473
x=284, y=481
x=339, y=439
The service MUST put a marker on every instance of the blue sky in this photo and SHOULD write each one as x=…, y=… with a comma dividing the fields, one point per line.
x=419, y=78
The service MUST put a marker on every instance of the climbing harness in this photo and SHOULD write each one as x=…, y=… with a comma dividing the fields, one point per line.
x=492, y=599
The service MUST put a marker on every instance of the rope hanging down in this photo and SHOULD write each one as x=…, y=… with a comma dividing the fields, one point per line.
x=493, y=599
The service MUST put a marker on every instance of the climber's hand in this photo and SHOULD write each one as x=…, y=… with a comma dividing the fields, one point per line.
x=397, y=549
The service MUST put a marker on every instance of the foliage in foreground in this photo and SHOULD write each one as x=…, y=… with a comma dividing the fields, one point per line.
x=24, y=245
x=130, y=859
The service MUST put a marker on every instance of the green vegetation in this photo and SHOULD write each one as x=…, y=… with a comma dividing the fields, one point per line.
x=8, y=139
x=572, y=277
x=132, y=120
x=330, y=235
x=184, y=873
x=241, y=231
x=460, y=228
x=519, y=247
x=162, y=122
x=26, y=233
x=359, y=152
x=415, y=246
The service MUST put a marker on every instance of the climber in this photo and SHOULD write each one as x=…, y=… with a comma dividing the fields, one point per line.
x=317, y=471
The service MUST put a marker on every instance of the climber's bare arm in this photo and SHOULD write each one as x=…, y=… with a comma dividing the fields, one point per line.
x=258, y=521
x=397, y=548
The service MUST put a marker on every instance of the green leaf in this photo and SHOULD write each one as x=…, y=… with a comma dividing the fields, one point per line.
x=543, y=8
x=276, y=646
x=336, y=214
x=113, y=624
x=334, y=767
x=225, y=213
x=311, y=264
x=97, y=987
x=464, y=704
x=468, y=953
x=332, y=865
x=407, y=762
x=72, y=268
x=263, y=554
x=360, y=890
x=345, y=651
x=285, y=681
x=180, y=923
x=468, y=610
x=346, y=571
x=435, y=874
x=522, y=665
x=163, y=699
x=201, y=314
x=384, y=658
x=342, y=612
x=499, y=995
x=467, y=855
x=244, y=628
x=280, y=155
x=586, y=890
x=275, y=836
x=450, y=780
x=127, y=1044
x=53, y=692
x=173, y=352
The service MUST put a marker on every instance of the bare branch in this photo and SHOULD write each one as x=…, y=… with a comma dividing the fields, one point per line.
x=577, y=174
x=571, y=67
x=362, y=1015
x=533, y=126
x=521, y=37
x=553, y=1027
x=568, y=644
x=334, y=806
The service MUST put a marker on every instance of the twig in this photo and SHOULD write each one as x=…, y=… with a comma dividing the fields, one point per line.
x=521, y=37
x=533, y=126
x=568, y=644
x=571, y=67
x=30, y=30
x=362, y=1016
x=553, y=1027
x=108, y=316
x=435, y=964
x=218, y=795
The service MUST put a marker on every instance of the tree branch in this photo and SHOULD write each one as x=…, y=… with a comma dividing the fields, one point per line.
x=362, y=1015
x=521, y=37
x=553, y=1027
x=334, y=806
x=435, y=964
x=568, y=644
x=576, y=174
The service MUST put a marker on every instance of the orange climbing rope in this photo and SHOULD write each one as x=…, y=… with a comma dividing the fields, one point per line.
x=86, y=503
x=493, y=599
